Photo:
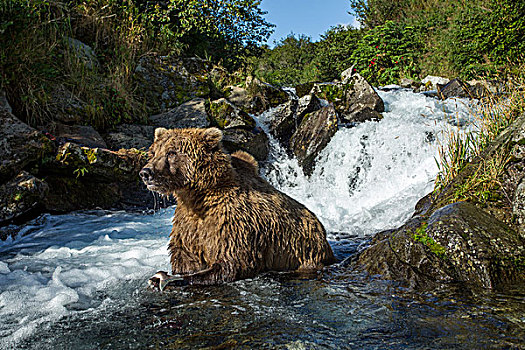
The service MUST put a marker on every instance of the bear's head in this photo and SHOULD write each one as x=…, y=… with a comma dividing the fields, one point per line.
x=185, y=159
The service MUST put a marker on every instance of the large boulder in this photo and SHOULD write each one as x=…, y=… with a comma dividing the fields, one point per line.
x=191, y=114
x=80, y=134
x=255, y=142
x=225, y=115
x=264, y=96
x=87, y=178
x=241, y=98
x=283, y=120
x=459, y=243
x=20, y=145
x=67, y=108
x=304, y=89
x=83, y=52
x=313, y=134
x=130, y=136
x=21, y=195
x=354, y=98
x=167, y=82
x=461, y=89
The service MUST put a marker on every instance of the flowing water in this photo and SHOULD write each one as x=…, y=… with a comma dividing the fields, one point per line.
x=78, y=281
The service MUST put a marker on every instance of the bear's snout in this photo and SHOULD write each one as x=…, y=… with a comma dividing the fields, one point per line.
x=146, y=174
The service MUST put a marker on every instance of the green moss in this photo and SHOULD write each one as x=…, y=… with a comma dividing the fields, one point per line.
x=421, y=236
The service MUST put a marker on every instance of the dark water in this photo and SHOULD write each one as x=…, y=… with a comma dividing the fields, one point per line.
x=337, y=309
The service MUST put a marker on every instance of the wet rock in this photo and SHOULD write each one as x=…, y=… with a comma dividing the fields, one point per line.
x=459, y=243
x=407, y=83
x=130, y=136
x=20, y=145
x=304, y=89
x=430, y=83
x=454, y=88
x=167, y=82
x=313, y=134
x=191, y=114
x=225, y=115
x=79, y=134
x=255, y=142
x=307, y=104
x=83, y=52
x=283, y=122
x=21, y=195
x=354, y=99
x=284, y=119
x=264, y=95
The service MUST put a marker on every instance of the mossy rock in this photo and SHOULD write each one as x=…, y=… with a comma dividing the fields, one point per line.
x=459, y=243
x=225, y=115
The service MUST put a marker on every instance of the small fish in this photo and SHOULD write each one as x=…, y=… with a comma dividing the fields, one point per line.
x=161, y=279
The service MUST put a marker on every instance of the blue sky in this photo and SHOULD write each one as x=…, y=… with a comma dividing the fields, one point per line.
x=310, y=17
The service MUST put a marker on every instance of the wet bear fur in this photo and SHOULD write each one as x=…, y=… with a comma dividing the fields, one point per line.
x=229, y=222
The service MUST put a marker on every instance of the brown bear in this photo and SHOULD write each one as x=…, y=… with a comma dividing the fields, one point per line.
x=229, y=222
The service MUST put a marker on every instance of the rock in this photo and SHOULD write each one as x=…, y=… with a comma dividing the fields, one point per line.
x=307, y=104
x=354, y=99
x=430, y=83
x=241, y=98
x=264, y=95
x=282, y=122
x=284, y=118
x=21, y=195
x=4, y=104
x=98, y=163
x=313, y=134
x=304, y=89
x=167, y=82
x=225, y=115
x=87, y=178
x=66, y=108
x=130, y=136
x=20, y=145
x=79, y=134
x=255, y=142
x=459, y=243
x=454, y=88
x=191, y=114
x=518, y=207
x=407, y=83
x=83, y=52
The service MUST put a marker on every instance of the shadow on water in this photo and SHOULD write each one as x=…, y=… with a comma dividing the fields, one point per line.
x=337, y=309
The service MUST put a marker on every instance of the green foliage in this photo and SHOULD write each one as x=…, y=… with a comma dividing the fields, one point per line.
x=387, y=53
x=36, y=59
x=290, y=62
x=334, y=51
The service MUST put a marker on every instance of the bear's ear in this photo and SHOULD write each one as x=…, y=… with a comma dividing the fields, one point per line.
x=159, y=132
x=212, y=137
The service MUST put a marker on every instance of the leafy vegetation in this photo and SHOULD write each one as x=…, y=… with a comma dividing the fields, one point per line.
x=409, y=38
x=39, y=61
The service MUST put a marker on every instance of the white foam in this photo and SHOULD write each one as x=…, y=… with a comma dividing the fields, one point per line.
x=370, y=177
